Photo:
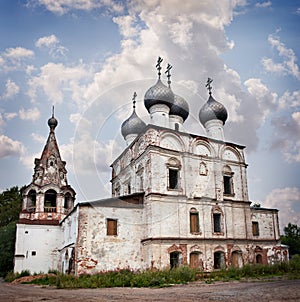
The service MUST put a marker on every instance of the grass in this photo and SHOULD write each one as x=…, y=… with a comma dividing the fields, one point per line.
x=167, y=277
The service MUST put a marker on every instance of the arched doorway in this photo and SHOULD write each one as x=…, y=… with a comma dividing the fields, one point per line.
x=258, y=259
x=219, y=260
x=175, y=259
x=195, y=260
x=236, y=259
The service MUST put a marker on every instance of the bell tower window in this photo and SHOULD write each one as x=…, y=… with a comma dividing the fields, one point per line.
x=228, y=181
x=173, y=167
x=50, y=201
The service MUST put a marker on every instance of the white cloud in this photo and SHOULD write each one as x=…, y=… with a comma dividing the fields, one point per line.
x=287, y=136
x=61, y=7
x=288, y=66
x=287, y=200
x=267, y=100
x=289, y=100
x=52, y=43
x=31, y=114
x=263, y=4
x=56, y=80
x=127, y=25
x=47, y=41
x=38, y=138
x=9, y=147
x=10, y=115
x=11, y=89
x=18, y=53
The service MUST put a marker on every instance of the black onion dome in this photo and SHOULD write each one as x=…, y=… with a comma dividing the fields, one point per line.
x=158, y=94
x=180, y=107
x=133, y=125
x=52, y=123
x=212, y=110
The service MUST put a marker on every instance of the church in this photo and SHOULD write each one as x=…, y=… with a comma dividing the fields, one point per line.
x=177, y=199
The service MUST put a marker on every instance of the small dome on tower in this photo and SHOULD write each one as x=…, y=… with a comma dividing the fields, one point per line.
x=133, y=125
x=52, y=122
x=180, y=107
x=212, y=109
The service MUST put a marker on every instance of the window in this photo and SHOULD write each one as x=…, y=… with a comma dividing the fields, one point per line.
x=173, y=178
x=129, y=188
x=176, y=126
x=255, y=229
x=175, y=259
x=50, y=201
x=219, y=260
x=217, y=222
x=112, y=227
x=33, y=253
x=194, y=221
x=227, y=185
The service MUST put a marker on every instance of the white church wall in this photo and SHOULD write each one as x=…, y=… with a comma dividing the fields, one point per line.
x=37, y=247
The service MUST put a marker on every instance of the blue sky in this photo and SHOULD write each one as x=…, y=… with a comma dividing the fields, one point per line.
x=87, y=57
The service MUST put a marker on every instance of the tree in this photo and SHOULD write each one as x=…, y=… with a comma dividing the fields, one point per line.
x=291, y=238
x=10, y=207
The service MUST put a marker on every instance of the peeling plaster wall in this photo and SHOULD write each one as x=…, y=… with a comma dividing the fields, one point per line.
x=44, y=240
x=96, y=251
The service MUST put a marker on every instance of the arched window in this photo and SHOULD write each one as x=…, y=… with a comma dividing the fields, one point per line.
x=50, y=201
x=68, y=204
x=175, y=259
x=31, y=200
x=217, y=220
x=228, y=181
x=219, y=260
x=174, y=167
x=194, y=221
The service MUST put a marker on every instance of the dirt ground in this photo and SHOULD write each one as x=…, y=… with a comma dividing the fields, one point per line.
x=275, y=291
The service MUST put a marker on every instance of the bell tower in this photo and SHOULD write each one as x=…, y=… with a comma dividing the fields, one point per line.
x=48, y=198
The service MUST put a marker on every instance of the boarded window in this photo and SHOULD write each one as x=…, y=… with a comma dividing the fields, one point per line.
x=112, y=227
x=194, y=222
x=217, y=222
x=255, y=229
x=173, y=179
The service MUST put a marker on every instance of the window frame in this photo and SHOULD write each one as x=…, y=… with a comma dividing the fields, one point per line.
x=255, y=228
x=111, y=227
x=194, y=222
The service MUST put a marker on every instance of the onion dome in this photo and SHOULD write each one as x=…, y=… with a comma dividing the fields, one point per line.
x=133, y=125
x=52, y=122
x=212, y=109
x=159, y=93
x=180, y=107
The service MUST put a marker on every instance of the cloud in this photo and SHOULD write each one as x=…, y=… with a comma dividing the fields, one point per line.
x=38, y=138
x=9, y=147
x=10, y=115
x=288, y=66
x=266, y=100
x=287, y=136
x=47, y=41
x=57, y=80
x=61, y=7
x=18, y=53
x=289, y=100
x=52, y=43
x=263, y=4
x=11, y=89
x=31, y=114
x=287, y=200
x=13, y=58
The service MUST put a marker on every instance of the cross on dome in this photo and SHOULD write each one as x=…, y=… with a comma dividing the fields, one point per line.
x=158, y=67
x=169, y=67
x=208, y=86
x=133, y=99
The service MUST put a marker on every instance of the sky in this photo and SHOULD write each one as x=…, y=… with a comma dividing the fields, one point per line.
x=88, y=57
